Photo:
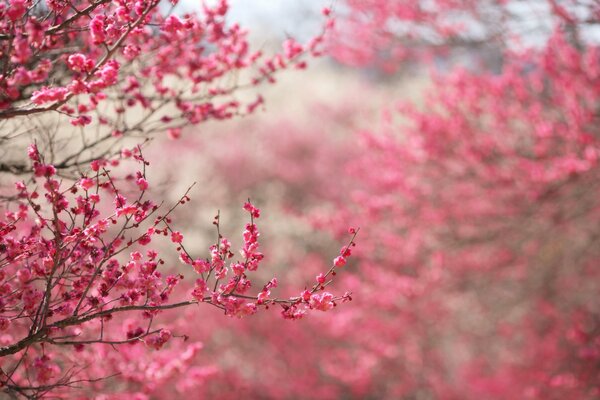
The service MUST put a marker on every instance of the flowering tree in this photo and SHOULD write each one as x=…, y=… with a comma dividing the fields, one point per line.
x=477, y=272
x=81, y=265
x=130, y=68
x=396, y=34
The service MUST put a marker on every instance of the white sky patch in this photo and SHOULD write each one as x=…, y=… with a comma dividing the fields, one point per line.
x=275, y=19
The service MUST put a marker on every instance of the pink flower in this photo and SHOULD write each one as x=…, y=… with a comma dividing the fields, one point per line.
x=172, y=24
x=305, y=295
x=82, y=120
x=238, y=269
x=97, y=164
x=263, y=296
x=97, y=29
x=144, y=239
x=131, y=51
x=339, y=261
x=176, y=237
x=199, y=290
x=126, y=210
x=292, y=48
x=201, y=266
x=86, y=183
x=109, y=73
x=321, y=302
x=346, y=251
x=185, y=258
x=272, y=283
x=33, y=153
x=157, y=341
x=142, y=184
x=293, y=313
x=254, y=212
x=44, y=170
x=321, y=279
x=16, y=9
x=174, y=133
x=46, y=94
x=80, y=63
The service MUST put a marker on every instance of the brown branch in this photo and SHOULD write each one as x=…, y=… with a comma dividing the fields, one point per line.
x=41, y=335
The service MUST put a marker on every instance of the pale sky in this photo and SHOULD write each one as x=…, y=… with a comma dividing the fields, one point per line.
x=274, y=18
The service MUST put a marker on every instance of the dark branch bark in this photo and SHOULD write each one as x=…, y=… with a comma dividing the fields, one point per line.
x=40, y=336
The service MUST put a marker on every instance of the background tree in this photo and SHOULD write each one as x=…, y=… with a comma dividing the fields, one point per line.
x=477, y=271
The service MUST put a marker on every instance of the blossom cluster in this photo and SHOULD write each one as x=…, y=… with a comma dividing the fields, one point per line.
x=97, y=62
x=76, y=258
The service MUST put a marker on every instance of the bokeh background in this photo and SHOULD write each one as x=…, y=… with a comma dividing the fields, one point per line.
x=476, y=272
x=470, y=163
